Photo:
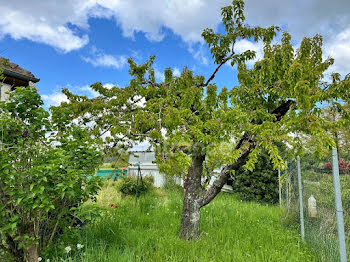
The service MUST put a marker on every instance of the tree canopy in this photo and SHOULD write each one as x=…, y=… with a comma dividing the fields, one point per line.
x=189, y=123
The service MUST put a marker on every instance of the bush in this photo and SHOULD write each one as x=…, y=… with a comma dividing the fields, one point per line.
x=44, y=176
x=259, y=185
x=344, y=167
x=171, y=185
x=130, y=186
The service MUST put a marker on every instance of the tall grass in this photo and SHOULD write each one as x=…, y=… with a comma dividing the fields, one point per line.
x=231, y=230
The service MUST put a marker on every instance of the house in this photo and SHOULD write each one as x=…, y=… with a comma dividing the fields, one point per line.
x=14, y=76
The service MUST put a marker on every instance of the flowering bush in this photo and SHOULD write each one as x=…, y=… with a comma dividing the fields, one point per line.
x=344, y=167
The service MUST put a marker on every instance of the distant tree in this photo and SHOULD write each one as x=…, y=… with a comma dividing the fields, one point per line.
x=261, y=184
x=339, y=128
x=190, y=123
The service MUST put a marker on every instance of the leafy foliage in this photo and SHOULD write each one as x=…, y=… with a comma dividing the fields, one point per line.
x=131, y=186
x=261, y=184
x=45, y=175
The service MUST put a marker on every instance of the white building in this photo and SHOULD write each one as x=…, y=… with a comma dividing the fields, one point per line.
x=13, y=76
x=148, y=166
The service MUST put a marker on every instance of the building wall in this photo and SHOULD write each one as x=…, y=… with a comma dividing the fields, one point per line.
x=4, y=88
x=146, y=160
x=159, y=178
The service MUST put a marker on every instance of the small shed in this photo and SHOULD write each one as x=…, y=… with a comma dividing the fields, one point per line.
x=147, y=161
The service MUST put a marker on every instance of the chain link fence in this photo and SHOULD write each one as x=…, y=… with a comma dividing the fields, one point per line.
x=318, y=204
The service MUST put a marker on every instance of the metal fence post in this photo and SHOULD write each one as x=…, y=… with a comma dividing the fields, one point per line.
x=338, y=206
x=279, y=187
x=301, y=209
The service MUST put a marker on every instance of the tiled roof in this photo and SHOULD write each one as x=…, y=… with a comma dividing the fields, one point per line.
x=12, y=67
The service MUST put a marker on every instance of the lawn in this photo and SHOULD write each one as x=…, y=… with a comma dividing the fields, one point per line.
x=231, y=230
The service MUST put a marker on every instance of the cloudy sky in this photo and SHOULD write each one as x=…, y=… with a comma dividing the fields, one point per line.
x=74, y=43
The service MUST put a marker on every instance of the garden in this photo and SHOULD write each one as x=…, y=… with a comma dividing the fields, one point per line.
x=231, y=230
x=57, y=204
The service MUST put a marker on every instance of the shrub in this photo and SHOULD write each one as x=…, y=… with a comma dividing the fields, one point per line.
x=44, y=176
x=131, y=186
x=171, y=185
x=261, y=184
x=344, y=167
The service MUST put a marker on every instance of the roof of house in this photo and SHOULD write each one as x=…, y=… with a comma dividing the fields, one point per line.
x=14, y=70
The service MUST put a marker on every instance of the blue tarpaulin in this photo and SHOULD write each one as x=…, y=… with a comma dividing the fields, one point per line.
x=112, y=173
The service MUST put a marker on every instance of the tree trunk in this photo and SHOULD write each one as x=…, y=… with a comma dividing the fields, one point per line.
x=31, y=254
x=193, y=200
x=191, y=208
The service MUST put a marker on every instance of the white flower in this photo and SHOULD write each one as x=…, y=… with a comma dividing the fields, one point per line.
x=80, y=246
x=40, y=258
x=47, y=260
x=68, y=249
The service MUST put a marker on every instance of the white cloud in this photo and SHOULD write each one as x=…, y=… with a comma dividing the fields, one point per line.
x=185, y=18
x=90, y=92
x=99, y=58
x=108, y=85
x=50, y=22
x=140, y=146
x=339, y=49
x=302, y=18
x=244, y=45
x=176, y=72
x=198, y=53
x=45, y=22
x=65, y=25
x=331, y=19
x=54, y=99
x=159, y=75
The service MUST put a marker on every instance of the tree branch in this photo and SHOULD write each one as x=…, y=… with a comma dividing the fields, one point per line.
x=152, y=83
x=249, y=140
x=224, y=60
x=216, y=70
x=225, y=173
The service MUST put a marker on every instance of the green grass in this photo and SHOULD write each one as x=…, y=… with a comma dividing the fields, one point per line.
x=106, y=166
x=231, y=230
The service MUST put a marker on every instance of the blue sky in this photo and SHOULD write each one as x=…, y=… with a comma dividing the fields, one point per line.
x=78, y=69
x=74, y=43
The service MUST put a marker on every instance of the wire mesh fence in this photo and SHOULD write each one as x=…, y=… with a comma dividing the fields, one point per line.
x=318, y=203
